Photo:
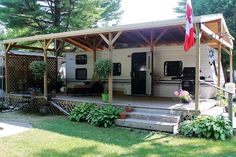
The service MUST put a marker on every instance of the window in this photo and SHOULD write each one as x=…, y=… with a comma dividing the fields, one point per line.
x=81, y=59
x=116, y=69
x=81, y=74
x=173, y=68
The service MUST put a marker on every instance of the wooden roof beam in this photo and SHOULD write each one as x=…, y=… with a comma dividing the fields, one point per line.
x=8, y=47
x=31, y=48
x=144, y=38
x=177, y=41
x=77, y=44
x=215, y=36
x=133, y=39
x=159, y=36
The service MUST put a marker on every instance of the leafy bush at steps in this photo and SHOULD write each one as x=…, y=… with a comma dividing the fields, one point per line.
x=208, y=127
x=94, y=114
x=80, y=112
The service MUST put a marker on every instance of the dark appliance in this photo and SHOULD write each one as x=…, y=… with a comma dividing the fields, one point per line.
x=188, y=80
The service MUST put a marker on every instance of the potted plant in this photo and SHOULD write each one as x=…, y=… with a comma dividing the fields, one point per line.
x=128, y=108
x=122, y=115
x=38, y=68
x=103, y=68
x=184, y=96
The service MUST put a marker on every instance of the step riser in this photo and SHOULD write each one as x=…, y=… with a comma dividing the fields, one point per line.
x=154, y=118
x=156, y=127
x=158, y=111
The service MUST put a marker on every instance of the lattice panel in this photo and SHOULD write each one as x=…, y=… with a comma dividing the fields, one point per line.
x=67, y=105
x=33, y=106
x=19, y=70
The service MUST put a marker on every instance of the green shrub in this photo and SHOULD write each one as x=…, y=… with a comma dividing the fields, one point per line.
x=38, y=68
x=103, y=68
x=220, y=98
x=98, y=115
x=80, y=112
x=234, y=109
x=207, y=126
x=104, y=116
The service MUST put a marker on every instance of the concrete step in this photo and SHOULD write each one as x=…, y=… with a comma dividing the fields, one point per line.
x=153, y=116
x=157, y=110
x=148, y=125
x=215, y=111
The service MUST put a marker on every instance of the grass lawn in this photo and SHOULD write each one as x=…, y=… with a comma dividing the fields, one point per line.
x=59, y=137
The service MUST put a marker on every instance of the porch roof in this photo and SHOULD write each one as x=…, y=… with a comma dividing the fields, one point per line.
x=139, y=35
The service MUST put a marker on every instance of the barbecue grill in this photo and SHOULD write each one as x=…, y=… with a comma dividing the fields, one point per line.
x=187, y=79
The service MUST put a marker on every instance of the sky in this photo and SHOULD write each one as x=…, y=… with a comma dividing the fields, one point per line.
x=137, y=11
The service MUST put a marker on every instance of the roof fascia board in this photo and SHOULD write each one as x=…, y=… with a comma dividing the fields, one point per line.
x=130, y=27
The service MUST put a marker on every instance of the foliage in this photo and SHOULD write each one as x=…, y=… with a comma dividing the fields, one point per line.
x=38, y=68
x=55, y=84
x=98, y=115
x=104, y=116
x=208, y=127
x=80, y=112
x=203, y=7
x=30, y=17
x=220, y=98
x=103, y=68
x=183, y=95
x=2, y=105
x=234, y=109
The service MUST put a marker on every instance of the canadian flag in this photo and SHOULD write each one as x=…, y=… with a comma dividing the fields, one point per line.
x=189, y=34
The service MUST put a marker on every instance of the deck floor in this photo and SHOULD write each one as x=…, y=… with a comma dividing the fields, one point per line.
x=145, y=102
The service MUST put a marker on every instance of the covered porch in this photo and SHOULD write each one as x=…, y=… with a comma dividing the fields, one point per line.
x=210, y=30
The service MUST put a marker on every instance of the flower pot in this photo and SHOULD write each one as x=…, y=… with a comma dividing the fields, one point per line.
x=105, y=97
x=128, y=109
x=122, y=115
x=184, y=101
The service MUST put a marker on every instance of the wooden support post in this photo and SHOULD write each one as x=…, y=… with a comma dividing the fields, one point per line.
x=219, y=64
x=7, y=48
x=45, y=44
x=219, y=53
x=231, y=65
x=110, y=41
x=110, y=79
x=6, y=69
x=197, y=74
x=152, y=44
x=230, y=107
x=94, y=55
x=45, y=80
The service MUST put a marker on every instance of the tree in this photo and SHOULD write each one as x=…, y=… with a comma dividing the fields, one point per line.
x=30, y=17
x=203, y=7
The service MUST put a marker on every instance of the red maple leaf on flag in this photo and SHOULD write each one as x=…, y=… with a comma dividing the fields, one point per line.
x=189, y=14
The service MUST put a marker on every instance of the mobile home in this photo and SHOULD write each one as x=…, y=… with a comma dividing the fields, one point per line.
x=135, y=72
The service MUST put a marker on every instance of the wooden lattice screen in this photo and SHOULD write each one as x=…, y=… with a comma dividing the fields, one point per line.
x=19, y=70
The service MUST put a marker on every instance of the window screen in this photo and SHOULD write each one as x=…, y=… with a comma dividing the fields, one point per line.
x=173, y=68
x=81, y=74
x=81, y=59
x=116, y=69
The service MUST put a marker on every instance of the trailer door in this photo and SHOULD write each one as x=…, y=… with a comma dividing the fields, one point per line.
x=149, y=73
x=138, y=74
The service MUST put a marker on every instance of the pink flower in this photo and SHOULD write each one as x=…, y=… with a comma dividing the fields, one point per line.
x=176, y=93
